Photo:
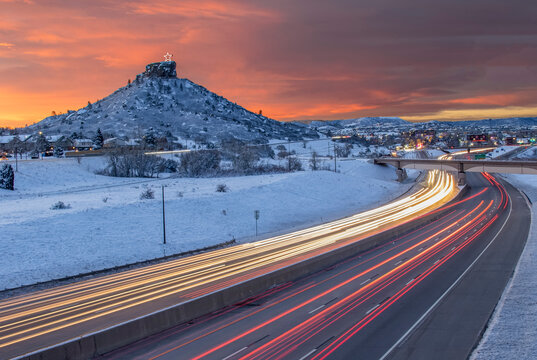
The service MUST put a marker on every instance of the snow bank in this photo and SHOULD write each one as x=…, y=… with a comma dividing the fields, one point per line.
x=502, y=150
x=108, y=225
x=529, y=154
x=512, y=332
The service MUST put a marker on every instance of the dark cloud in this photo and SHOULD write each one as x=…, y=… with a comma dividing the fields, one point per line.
x=295, y=59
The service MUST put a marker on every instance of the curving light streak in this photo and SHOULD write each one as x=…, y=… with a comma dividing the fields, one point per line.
x=32, y=315
x=459, y=228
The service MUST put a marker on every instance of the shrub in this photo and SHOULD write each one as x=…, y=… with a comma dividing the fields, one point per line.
x=60, y=205
x=343, y=151
x=147, y=194
x=129, y=163
x=7, y=177
x=282, y=154
x=294, y=164
x=222, y=188
x=245, y=160
x=168, y=166
x=200, y=163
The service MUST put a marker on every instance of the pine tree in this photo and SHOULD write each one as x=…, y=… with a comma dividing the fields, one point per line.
x=98, y=140
x=149, y=139
x=7, y=177
x=41, y=143
x=58, y=151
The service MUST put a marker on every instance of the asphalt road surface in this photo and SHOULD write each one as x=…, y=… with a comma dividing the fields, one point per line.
x=426, y=294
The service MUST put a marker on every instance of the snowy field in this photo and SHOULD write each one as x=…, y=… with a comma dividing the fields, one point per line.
x=108, y=224
x=512, y=331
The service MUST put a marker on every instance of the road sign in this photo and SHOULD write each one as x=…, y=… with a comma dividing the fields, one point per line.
x=480, y=156
x=256, y=215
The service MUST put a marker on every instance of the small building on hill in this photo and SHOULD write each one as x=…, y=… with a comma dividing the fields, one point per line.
x=83, y=144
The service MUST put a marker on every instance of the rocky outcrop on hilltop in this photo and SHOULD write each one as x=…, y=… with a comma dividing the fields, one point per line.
x=165, y=69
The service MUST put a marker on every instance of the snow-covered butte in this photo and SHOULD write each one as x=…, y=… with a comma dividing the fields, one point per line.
x=170, y=106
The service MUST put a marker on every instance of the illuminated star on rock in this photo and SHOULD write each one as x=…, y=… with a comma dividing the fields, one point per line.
x=168, y=57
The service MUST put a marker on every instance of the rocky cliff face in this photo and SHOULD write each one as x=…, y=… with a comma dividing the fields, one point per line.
x=165, y=69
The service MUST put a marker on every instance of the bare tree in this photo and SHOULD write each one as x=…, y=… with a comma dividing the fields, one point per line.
x=16, y=146
x=132, y=163
x=200, y=163
x=314, y=161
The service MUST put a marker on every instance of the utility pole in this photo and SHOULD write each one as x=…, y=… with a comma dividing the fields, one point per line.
x=163, y=218
x=256, y=215
x=335, y=158
x=289, y=156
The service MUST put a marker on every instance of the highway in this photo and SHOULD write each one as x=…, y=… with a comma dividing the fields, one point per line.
x=426, y=294
x=43, y=319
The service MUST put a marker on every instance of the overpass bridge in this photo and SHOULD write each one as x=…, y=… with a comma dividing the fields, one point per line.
x=461, y=167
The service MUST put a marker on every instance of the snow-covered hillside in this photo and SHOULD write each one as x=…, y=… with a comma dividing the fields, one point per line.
x=108, y=224
x=349, y=125
x=160, y=101
x=363, y=122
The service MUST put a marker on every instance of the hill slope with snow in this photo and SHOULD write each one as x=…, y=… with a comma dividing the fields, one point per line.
x=160, y=101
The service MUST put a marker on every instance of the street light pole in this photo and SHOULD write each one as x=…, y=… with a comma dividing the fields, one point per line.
x=163, y=218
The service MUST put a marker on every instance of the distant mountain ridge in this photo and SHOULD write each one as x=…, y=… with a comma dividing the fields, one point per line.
x=505, y=122
x=370, y=122
x=365, y=122
x=160, y=101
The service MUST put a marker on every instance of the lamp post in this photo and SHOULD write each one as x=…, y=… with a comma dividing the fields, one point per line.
x=163, y=218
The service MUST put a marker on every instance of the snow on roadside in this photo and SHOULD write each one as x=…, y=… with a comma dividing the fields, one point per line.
x=502, y=150
x=512, y=331
x=529, y=154
x=108, y=225
x=434, y=153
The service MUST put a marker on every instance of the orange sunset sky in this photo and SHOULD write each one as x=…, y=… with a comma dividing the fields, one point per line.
x=294, y=59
